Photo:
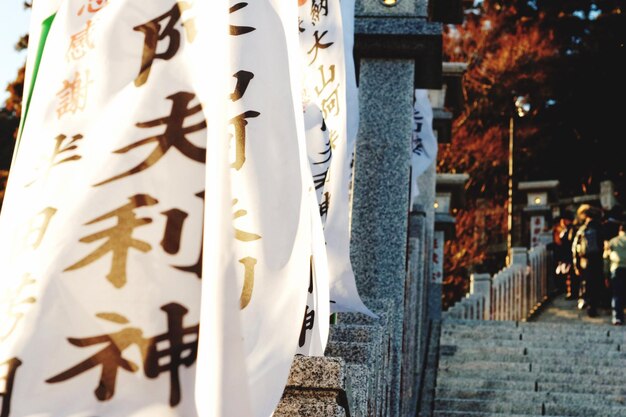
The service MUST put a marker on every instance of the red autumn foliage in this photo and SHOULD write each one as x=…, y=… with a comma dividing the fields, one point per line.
x=504, y=61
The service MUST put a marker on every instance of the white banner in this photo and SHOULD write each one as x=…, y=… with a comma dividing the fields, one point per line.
x=537, y=228
x=103, y=220
x=271, y=186
x=330, y=144
x=221, y=377
x=424, y=144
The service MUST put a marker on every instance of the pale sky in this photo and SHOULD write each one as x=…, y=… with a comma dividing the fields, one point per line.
x=14, y=24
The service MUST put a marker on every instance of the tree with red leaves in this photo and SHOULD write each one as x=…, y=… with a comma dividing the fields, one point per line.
x=10, y=115
x=538, y=49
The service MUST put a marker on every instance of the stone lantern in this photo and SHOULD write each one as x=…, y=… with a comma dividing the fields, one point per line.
x=541, y=199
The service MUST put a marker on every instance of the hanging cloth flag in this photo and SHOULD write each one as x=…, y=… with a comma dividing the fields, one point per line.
x=222, y=387
x=352, y=92
x=101, y=244
x=330, y=149
x=102, y=226
x=424, y=143
x=272, y=192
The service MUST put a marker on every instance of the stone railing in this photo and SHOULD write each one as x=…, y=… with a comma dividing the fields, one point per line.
x=514, y=293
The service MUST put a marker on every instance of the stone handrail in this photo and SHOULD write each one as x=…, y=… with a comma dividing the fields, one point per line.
x=514, y=293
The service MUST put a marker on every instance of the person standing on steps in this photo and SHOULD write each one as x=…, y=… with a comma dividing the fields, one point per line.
x=579, y=222
x=574, y=288
x=615, y=252
x=563, y=239
x=587, y=251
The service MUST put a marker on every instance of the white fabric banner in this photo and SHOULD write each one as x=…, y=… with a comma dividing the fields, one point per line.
x=424, y=144
x=330, y=144
x=102, y=224
x=221, y=378
x=272, y=193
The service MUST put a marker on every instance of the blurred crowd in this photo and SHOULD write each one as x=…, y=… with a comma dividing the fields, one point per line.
x=590, y=253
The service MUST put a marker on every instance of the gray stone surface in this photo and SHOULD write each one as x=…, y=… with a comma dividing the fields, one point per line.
x=418, y=8
x=416, y=321
x=530, y=397
x=506, y=368
x=303, y=404
x=429, y=381
x=515, y=375
x=375, y=25
x=359, y=333
x=314, y=372
x=382, y=334
x=561, y=310
x=381, y=195
x=359, y=391
x=478, y=414
x=362, y=354
x=427, y=183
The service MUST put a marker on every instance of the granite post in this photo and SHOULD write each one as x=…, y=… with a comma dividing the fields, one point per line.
x=397, y=50
x=381, y=195
x=480, y=284
x=519, y=256
x=427, y=186
x=415, y=312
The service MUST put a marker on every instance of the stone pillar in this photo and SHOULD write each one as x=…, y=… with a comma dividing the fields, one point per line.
x=519, y=256
x=427, y=184
x=415, y=311
x=480, y=284
x=397, y=50
x=381, y=195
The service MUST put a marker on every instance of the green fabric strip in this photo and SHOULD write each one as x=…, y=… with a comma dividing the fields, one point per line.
x=45, y=29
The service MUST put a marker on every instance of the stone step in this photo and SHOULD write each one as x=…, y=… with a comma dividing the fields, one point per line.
x=518, y=367
x=555, y=377
x=478, y=414
x=583, y=410
x=450, y=347
x=505, y=324
x=499, y=332
x=465, y=357
x=530, y=397
x=531, y=367
x=542, y=328
x=609, y=359
x=582, y=387
x=537, y=337
x=485, y=383
x=545, y=408
x=447, y=404
x=536, y=343
x=531, y=385
x=295, y=404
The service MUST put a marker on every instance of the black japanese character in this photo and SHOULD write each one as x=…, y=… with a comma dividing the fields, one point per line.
x=174, y=136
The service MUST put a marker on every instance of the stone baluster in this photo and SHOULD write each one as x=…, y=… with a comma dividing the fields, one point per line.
x=480, y=286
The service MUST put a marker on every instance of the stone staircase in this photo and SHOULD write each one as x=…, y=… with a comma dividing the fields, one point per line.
x=519, y=369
